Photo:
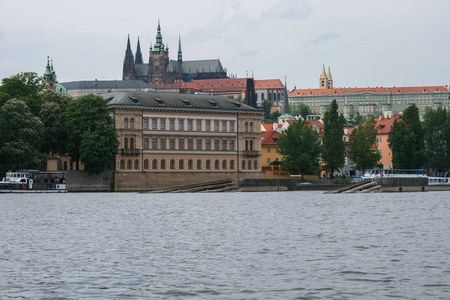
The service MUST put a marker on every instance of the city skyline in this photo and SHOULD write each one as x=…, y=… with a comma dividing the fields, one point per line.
x=375, y=43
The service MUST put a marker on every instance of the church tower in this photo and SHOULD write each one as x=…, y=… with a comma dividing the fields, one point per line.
x=325, y=80
x=129, y=72
x=50, y=77
x=139, y=59
x=158, y=60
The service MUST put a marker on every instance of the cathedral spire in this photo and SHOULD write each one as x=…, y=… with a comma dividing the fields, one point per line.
x=323, y=80
x=128, y=63
x=139, y=59
x=180, y=54
x=159, y=46
x=286, y=108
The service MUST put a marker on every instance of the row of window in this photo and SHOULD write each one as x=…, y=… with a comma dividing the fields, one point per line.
x=161, y=165
x=181, y=144
x=159, y=123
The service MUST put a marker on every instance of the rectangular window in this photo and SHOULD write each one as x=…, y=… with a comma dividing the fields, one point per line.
x=145, y=143
x=181, y=144
x=145, y=123
x=181, y=125
x=216, y=126
x=216, y=144
x=191, y=144
x=277, y=150
x=232, y=145
x=163, y=143
x=224, y=145
x=154, y=144
x=231, y=126
x=268, y=150
x=268, y=160
x=154, y=124
x=224, y=126
x=208, y=144
x=199, y=125
x=208, y=125
x=199, y=144
x=163, y=124
x=190, y=125
x=172, y=124
x=172, y=144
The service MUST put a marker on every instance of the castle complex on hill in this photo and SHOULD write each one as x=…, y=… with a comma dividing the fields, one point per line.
x=161, y=70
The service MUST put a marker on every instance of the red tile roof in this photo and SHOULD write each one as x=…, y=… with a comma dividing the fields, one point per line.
x=268, y=84
x=269, y=137
x=417, y=89
x=384, y=125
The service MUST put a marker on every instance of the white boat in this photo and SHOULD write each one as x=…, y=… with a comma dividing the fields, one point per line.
x=435, y=180
x=388, y=173
x=33, y=181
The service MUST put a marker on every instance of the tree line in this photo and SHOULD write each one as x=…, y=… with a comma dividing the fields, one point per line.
x=34, y=124
x=414, y=144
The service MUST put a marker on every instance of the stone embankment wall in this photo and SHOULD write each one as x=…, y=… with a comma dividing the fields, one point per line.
x=81, y=181
x=281, y=184
x=392, y=184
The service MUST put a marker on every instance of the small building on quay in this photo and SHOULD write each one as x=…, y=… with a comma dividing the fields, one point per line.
x=169, y=139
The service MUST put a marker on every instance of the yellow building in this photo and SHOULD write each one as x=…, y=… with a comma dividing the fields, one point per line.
x=178, y=139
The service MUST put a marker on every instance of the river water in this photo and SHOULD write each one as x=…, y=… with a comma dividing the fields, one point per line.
x=280, y=245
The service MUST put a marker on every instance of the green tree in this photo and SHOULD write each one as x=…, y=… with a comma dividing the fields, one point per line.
x=300, y=109
x=267, y=105
x=52, y=115
x=21, y=136
x=91, y=137
x=436, y=139
x=23, y=86
x=333, y=143
x=363, y=145
x=406, y=140
x=300, y=147
x=272, y=118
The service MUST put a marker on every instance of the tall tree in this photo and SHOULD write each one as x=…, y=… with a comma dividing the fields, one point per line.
x=21, y=136
x=436, y=139
x=52, y=115
x=300, y=147
x=91, y=137
x=333, y=143
x=300, y=109
x=363, y=145
x=24, y=86
x=406, y=140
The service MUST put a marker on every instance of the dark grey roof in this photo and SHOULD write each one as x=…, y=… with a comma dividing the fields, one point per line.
x=195, y=66
x=173, y=100
x=105, y=84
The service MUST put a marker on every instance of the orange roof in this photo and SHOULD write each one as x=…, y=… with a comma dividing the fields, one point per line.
x=317, y=123
x=417, y=89
x=384, y=125
x=269, y=137
x=268, y=126
x=190, y=85
x=176, y=85
x=268, y=84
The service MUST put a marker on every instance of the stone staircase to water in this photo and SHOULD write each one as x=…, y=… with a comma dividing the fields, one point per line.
x=365, y=186
x=225, y=185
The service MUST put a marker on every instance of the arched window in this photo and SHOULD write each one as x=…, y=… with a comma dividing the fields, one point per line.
x=122, y=164
x=251, y=145
x=246, y=127
x=172, y=164
x=181, y=164
x=129, y=164
x=125, y=123
x=190, y=164
x=246, y=145
x=249, y=164
x=269, y=94
x=216, y=164
x=208, y=164
x=199, y=164
x=125, y=143
x=146, y=164
x=154, y=164
x=251, y=127
x=131, y=143
x=131, y=123
x=136, y=164
x=224, y=164
x=255, y=165
x=243, y=165
x=262, y=97
x=163, y=164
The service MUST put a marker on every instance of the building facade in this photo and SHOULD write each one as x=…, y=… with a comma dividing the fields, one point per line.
x=385, y=101
x=162, y=70
x=178, y=139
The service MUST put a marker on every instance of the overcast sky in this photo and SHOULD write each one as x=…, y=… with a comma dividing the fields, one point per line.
x=365, y=42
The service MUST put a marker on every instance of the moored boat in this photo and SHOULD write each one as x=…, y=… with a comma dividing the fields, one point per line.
x=33, y=181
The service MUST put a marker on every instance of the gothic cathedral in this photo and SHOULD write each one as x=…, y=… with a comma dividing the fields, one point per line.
x=161, y=70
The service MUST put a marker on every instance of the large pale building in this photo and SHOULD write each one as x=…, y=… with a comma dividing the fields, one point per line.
x=177, y=139
x=385, y=101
